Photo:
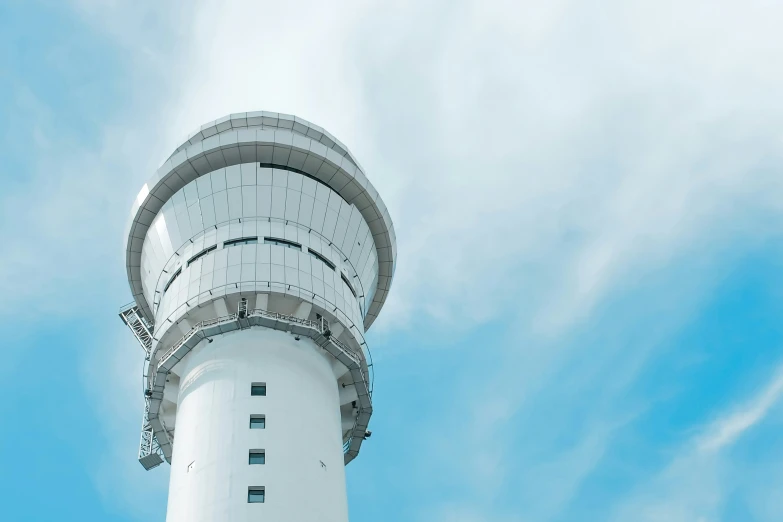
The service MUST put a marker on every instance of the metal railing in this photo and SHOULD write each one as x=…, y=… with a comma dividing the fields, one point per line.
x=317, y=331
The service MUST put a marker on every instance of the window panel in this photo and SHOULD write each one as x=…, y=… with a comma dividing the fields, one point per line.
x=264, y=176
x=319, y=213
x=264, y=254
x=248, y=272
x=305, y=210
x=292, y=257
x=292, y=205
x=295, y=181
x=248, y=173
x=278, y=202
x=201, y=254
x=249, y=253
x=321, y=258
x=234, y=202
x=221, y=206
x=204, y=185
x=280, y=178
x=308, y=186
x=240, y=241
x=277, y=273
x=234, y=255
x=255, y=496
x=330, y=221
x=257, y=457
x=263, y=271
x=282, y=242
x=233, y=176
x=233, y=274
x=173, y=278
x=191, y=193
x=218, y=178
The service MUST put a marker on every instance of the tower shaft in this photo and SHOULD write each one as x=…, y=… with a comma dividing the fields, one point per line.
x=302, y=472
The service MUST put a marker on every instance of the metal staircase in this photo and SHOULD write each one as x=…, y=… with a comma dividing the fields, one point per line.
x=150, y=452
x=132, y=317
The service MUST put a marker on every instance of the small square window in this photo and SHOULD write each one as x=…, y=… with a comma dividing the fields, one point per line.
x=257, y=422
x=257, y=457
x=255, y=495
x=258, y=389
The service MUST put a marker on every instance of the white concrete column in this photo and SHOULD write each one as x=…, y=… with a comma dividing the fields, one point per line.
x=303, y=310
x=262, y=302
x=184, y=326
x=304, y=475
x=220, y=307
x=336, y=327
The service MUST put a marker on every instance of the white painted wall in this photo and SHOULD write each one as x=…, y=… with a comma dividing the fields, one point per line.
x=210, y=473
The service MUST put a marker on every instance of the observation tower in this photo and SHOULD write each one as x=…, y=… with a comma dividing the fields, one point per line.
x=258, y=256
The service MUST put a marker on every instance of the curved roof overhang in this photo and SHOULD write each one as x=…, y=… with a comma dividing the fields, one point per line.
x=276, y=140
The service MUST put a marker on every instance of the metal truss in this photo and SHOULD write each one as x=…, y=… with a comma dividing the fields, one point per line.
x=150, y=452
x=131, y=316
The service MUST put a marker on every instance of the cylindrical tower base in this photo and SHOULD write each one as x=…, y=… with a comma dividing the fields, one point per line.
x=302, y=475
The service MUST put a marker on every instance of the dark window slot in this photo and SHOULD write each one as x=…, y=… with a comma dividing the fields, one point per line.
x=345, y=280
x=257, y=457
x=255, y=495
x=303, y=173
x=201, y=254
x=176, y=274
x=322, y=258
x=281, y=242
x=241, y=241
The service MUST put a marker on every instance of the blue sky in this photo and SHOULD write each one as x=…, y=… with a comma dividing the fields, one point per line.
x=584, y=323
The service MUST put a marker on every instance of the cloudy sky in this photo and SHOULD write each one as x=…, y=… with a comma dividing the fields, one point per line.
x=585, y=319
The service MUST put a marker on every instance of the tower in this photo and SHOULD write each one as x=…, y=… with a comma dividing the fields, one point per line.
x=258, y=256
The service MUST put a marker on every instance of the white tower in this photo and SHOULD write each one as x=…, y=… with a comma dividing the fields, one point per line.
x=258, y=255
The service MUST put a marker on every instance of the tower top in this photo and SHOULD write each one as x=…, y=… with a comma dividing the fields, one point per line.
x=273, y=140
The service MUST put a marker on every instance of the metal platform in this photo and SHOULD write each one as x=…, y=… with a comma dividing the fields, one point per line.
x=156, y=444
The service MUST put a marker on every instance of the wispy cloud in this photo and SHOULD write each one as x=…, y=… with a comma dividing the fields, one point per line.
x=726, y=430
x=694, y=484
